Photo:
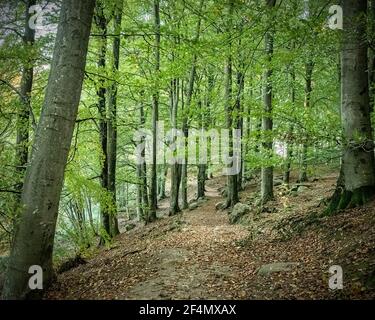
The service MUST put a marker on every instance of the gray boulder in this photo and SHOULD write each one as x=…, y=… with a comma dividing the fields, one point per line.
x=129, y=226
x=239, y=210
x=193, y=206
x=277, y=182
x=267, y=269
x=302, y=188
x=219, y=206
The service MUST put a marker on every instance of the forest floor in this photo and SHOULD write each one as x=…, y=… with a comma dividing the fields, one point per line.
x=282, y=253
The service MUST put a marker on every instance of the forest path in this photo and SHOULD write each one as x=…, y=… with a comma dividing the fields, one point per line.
x=199, y=255
x=196, y=262
x=189, y=256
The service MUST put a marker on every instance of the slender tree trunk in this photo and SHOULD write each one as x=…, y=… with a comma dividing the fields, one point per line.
x=371, y=68
x=34, y=238
x=232, y=184
x=185, y=127
x=174, y=207
x=143, y=169
x=163, y=171
x=358, y=171
x=267, y=122
x=246, y=134
x=23, y=116
x=202, y=164
x=112, y=123
x=101, y=23
x=155, y=117
x=289, y=145
x=308, y=89
x=240, y=125
x=140, y=214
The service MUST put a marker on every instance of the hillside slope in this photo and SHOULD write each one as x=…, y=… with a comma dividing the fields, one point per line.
x=282, y=253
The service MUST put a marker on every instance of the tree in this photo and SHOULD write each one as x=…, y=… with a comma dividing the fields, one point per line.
x=308, y=89
x=155, y=116
x=34, y=238
x=23, y=119
x=112, y=121
x=232, y=185
x=267, y=122
x=356, y=184
x=101, y=22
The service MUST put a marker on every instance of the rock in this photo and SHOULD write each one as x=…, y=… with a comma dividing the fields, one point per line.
x=294, y=188
x=277, y=183
x=239, y=210
x=201, y=201
x=267, y=269
x=129, y=226
x=302, y=188
x=71, y=263
x=219, y=206
x=223, y=191
x=193, y=206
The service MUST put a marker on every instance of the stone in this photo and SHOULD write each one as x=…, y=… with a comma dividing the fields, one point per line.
x=277, y=183
x=239, y=210
x=267, y=269
x=193, y=206
x=129, y=226
x=201, y=201
x=219, y=206
x=302, y=188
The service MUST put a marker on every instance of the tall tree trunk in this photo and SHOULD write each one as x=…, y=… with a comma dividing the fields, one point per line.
x=142, y=171
x=309, y=67
x=23, y=116
x=112, y=123
x=289, y=145
x=163, y=171
x=232, y=184
x=34, y=238
x=358, y=171
x=267, y=121
x=239, y=112
x=174, y=207
x=185, y=127
x=155, y=117
x=371, y=68
x=202, y=164
x=101, y=23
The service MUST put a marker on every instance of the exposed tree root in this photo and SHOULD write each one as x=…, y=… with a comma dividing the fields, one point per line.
x=343, y=199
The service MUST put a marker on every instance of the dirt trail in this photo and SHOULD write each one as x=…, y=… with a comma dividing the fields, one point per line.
x=199, y=255
x=190, y=258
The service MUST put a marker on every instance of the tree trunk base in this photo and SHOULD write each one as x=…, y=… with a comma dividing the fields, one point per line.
x=343, y=199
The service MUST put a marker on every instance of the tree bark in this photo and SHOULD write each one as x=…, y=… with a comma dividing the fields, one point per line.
x=371, y=64
x=309, y=67
x=34, y=238
x=232, y=184
x=112, y=123
x=155, y=117
x=23, y=116
x=101, y=23
x=174, y=207
x=358, y=171
x=267, y=121
x=289, y=145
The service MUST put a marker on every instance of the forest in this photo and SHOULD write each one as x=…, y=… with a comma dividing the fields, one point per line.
x=187, y=149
